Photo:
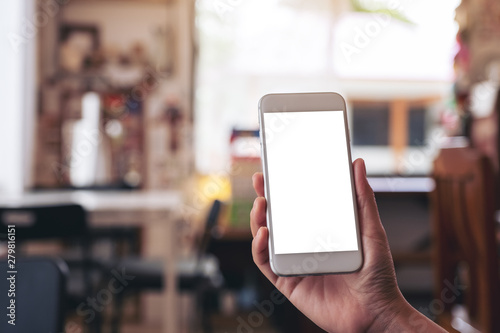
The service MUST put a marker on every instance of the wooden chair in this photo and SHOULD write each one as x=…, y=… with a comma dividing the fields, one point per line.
x=464, y=233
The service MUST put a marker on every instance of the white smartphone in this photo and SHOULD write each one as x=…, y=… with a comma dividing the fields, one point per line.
x=311, y=204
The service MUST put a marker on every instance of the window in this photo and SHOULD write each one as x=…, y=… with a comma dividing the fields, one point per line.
x=370, y=125
x=250, y=48
x=417, y=132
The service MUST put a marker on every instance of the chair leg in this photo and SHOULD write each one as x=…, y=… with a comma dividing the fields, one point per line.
x=117, y=312
x=96, y=324
x=487, y=301
x=204, y=309
x=473, y=286
x=445, y=272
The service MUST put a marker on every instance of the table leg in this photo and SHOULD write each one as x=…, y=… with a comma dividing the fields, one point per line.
x=170, y=293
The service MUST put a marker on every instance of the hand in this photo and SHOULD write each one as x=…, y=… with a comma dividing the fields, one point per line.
x=368, y=300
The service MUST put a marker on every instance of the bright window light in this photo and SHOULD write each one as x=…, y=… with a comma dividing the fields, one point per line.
x=251, y=48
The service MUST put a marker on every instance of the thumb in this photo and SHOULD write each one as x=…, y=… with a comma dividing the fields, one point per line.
x=367, y=207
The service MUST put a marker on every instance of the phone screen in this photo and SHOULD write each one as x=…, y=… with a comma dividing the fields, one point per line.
x=309, y=182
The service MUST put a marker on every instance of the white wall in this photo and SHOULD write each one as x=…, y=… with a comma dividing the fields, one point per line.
x=17, y=97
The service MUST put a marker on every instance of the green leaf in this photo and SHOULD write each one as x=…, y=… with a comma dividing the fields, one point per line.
x=358, y=7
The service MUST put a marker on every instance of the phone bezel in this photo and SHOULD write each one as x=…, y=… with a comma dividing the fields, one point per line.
x=298, y=264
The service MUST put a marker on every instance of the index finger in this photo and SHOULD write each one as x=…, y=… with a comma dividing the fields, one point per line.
x=258, y=183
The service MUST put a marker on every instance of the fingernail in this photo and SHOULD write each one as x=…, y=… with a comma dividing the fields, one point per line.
x=258, y=232
x=364, y=166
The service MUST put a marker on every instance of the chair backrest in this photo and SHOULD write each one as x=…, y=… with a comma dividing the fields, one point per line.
x=39, y=295
x=44, y=222
x=464, y=232
x=210, y=224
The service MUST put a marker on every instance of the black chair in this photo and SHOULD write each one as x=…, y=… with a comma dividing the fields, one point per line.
x=66, y=223
x=39, y=295
x=199, y=273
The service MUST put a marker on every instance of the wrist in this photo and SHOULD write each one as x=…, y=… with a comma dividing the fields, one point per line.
x=390, y=316
x=400, y=316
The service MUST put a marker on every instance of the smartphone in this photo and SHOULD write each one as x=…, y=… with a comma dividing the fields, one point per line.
x=311, y=205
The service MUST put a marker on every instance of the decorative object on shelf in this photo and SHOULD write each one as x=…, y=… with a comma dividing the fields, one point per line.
x=123, y=127
x=173, y=115
x=78, y=49
x=164, y=52
x=477, y=67
x=71, y=104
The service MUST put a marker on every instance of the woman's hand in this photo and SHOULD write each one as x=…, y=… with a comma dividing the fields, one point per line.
x=367, y=300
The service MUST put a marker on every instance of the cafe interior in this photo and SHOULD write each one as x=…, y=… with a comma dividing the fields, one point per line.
x=129, y=134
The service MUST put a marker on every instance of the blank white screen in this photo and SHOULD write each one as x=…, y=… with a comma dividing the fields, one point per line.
x=309, y=182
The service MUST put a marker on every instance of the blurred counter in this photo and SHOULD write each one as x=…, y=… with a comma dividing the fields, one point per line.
x=105, y=207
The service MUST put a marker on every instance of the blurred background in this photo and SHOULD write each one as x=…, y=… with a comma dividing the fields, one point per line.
x=129, y=134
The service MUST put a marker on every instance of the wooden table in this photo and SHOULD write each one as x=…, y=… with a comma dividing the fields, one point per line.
x=126, y=208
